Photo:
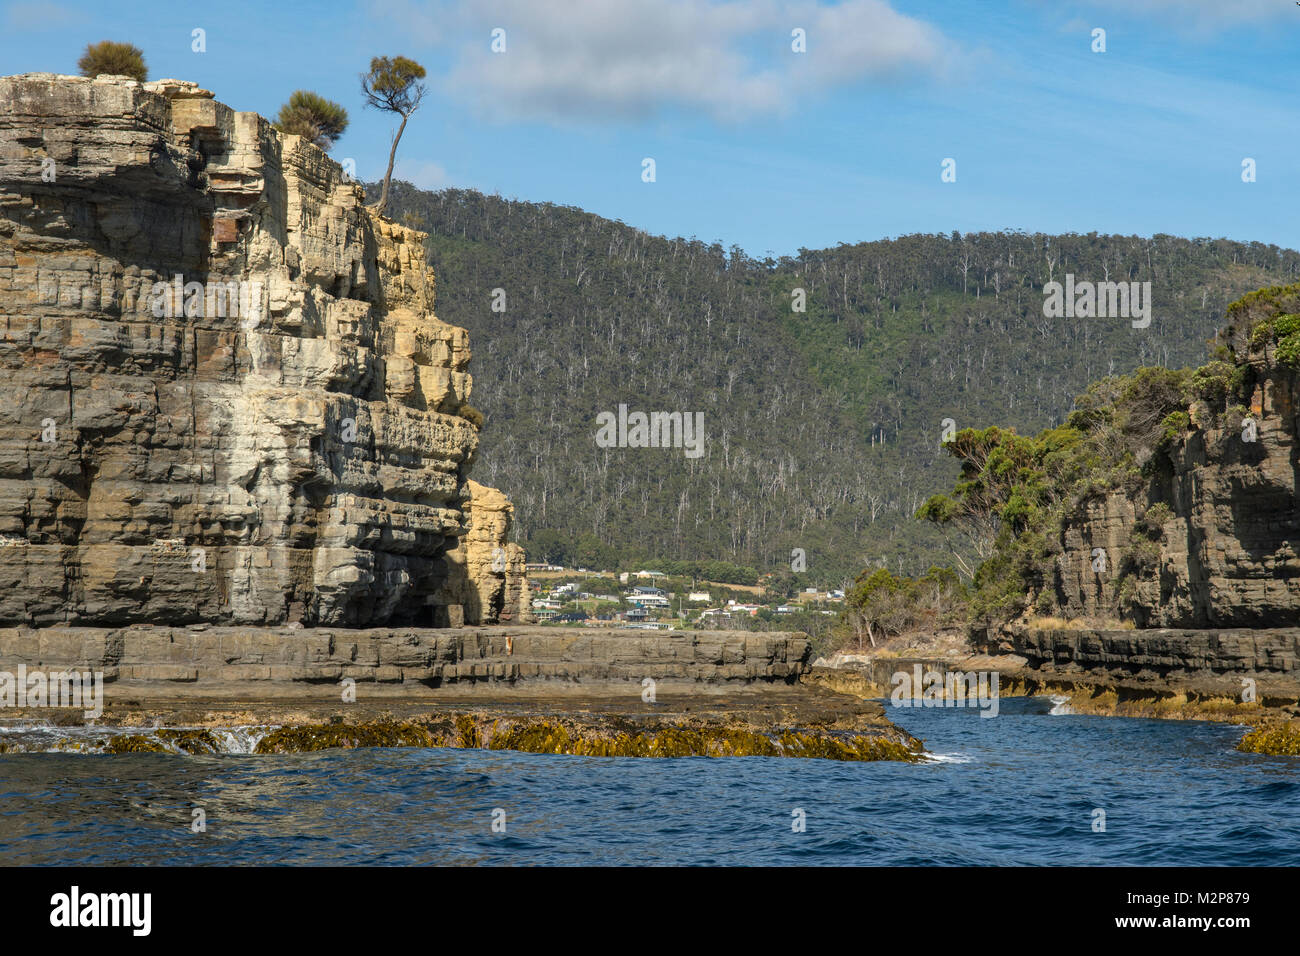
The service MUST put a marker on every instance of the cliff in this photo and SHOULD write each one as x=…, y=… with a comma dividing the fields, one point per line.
x=225, y=397
x=1167, y=499
x=1208, y=537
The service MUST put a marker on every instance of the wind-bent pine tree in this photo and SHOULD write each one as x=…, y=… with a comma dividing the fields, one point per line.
x=313, y=117
x=392, y=85
x=114, y=59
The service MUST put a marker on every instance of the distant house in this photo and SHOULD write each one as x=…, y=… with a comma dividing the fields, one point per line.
x=637, y=614
x=699, y=597
x=651, y=574
x=648, y=597
x=715, y=613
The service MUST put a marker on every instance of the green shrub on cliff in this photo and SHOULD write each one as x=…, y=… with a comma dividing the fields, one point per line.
x=1173, y=427
x=1288, y=350
x=312, y=117
x=113, y=59
x=1152, y=523
x=1260, y=317
x=1284, y=330
x=1217, y=382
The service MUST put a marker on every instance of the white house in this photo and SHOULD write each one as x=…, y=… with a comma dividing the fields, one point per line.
x=649, y=597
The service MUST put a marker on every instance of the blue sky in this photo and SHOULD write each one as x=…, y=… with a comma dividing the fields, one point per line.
x=762, y=147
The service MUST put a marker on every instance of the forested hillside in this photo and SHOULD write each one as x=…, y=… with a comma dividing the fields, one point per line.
x=822, y=428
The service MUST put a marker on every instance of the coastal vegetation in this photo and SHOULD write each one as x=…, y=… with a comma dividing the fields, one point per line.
x=882, y=605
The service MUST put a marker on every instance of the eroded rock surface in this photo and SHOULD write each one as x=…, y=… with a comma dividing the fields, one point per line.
x=239, y=659
x=1212, y=539
x=292, y=443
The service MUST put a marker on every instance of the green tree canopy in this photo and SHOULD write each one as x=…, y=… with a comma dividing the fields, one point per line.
x=393, y=85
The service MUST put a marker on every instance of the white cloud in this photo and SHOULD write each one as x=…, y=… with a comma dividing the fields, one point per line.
x=599, y=59
x=37, y=16
x=421, y=23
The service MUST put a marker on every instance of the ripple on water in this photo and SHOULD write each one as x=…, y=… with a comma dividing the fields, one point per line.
x=1021, y=788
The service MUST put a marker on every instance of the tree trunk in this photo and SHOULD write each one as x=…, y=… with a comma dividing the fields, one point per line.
x=392, y=158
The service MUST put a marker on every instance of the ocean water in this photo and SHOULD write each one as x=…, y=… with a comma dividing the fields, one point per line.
x=1021, y=788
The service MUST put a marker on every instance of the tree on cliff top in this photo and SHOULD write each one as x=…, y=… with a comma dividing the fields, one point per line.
x=392, y=85
x=313, y=117
x=114, y=59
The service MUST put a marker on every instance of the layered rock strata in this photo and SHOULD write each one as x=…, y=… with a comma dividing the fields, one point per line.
x=263, y=661
x=1213, y=538
x=224, y=395
x=1272, y=651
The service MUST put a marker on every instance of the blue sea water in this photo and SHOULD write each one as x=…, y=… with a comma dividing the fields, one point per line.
x=1021, y=788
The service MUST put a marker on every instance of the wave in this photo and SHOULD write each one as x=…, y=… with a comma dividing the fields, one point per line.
x=949, y=758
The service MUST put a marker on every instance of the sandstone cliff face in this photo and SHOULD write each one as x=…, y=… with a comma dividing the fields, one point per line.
x=487, y=578
x=288, y=441
x=1212, y=539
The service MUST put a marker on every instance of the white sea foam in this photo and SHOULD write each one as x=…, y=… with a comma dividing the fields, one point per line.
x=21, y=726
x=240, y=740
x=1060, y=706
x=949, y=758
x=35, y=736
